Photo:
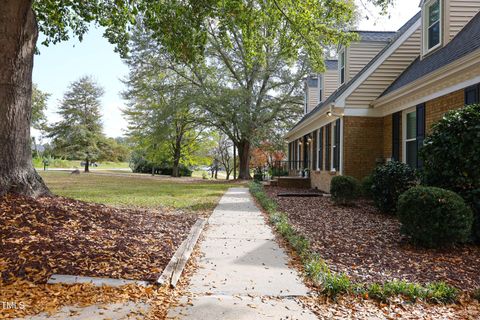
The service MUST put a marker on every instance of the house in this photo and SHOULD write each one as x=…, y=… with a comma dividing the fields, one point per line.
x=392, y=87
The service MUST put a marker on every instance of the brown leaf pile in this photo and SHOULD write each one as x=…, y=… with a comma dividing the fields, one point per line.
x=368, y=246
x=357, y=308
x=31, y=298
x=40, y=237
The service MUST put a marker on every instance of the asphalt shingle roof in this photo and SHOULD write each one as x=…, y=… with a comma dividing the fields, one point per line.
x=344, y=87
x=376, y=35
x=465, y=42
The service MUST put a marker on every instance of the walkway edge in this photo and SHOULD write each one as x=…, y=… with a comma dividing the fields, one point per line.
x=172, y=272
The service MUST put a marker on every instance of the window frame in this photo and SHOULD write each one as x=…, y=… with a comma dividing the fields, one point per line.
x=342, y=62
x=320, y=147
x=427, y=26
x=320, y=88
x=404, y=133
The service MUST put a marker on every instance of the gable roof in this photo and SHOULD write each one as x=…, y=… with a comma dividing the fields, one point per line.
x=465, y=42
x=337, y=93
x=376, y=35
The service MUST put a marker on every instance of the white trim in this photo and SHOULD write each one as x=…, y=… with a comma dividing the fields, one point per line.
x=343, y=52
x=376, y=64
x=340, y=101
x=425, y=26
x=404, y=132
x=310, y=126
x=458, y=66
x=340, y=161
x=363, y=112
x=317, y=167
x=435, y=95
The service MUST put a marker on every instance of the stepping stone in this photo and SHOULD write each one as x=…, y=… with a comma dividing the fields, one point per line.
x=69, y=279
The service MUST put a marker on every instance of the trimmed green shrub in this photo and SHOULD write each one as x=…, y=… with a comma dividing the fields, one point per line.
x=434, y=217
x=366, y=186
x=344, y=190
x=389, y=181
x=451, y=156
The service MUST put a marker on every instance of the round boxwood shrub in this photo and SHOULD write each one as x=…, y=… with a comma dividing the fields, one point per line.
x=344, y=189
x=389, y=181
x=366, y=186
x=451, y=156
x=434, y=217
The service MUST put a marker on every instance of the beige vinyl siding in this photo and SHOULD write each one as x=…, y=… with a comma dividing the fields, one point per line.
x=359, y=54
x=386, y=73
x=458, y=14
x=330, y=83
x=312, y=99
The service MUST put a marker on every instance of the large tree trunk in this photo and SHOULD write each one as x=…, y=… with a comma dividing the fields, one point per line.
x=176, y=162
x=244, y=160
x=87, y=165
x=18, y=37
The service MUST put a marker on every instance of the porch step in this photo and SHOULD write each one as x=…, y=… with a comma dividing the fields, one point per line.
x=294, y=182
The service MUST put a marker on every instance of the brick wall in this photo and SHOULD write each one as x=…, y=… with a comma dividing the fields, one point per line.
x=436, y=108
x=362, y=145
x=321, y=180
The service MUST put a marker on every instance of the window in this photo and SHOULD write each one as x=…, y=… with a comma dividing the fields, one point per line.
x=320, y=149
x=336, y=145
x=414, y=128
x=396, y=135
x=472, y=94
x=328, y=142
x=320, y=88
x=312, y=82
x=433, y=26
x=411, y=138
x=342, y=66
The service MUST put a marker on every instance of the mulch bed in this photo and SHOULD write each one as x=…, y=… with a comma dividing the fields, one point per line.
x=368, y=246
x=40, y=237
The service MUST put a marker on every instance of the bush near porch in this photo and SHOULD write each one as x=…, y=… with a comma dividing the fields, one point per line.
x=368, y=246
x=451, y=156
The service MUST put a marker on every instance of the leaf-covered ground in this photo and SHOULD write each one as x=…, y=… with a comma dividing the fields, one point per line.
x=368, y=246
x=64, y=236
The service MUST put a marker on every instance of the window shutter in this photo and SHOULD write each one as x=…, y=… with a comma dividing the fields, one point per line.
x=314, y=150
x=328, y=133
x=320, y=149
x=420, y=131
x=396, y=136
x=472, y=95
x=336, y=154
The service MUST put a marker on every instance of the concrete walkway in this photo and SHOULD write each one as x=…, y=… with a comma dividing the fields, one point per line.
x=243, y=273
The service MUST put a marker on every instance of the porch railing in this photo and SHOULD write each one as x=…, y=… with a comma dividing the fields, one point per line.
x=291, y=167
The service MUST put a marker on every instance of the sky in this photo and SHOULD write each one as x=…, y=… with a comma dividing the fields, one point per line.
x=59, y=65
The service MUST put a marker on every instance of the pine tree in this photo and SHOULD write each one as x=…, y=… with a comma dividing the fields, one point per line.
x=78, y=134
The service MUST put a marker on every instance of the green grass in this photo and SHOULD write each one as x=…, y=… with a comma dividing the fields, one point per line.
x=333, y=284
x=136, y=190
x=67, y=164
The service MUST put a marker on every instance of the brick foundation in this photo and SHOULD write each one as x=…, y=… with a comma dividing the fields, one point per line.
x=321, y=180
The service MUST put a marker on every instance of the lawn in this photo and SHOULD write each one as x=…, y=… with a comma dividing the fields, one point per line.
x=105, y=224
x=136, y=190
x=69, y=164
